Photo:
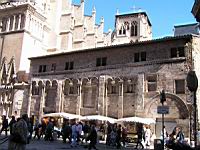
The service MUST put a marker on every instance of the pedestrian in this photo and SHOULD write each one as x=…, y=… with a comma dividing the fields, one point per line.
x=118, y=138
x=166, y=135
x=12, y=121
x=66, y=131
x=4, y=125
x=74, y=135
x=92, y=137
x=140, y=132
x=180, y=136
x=49, y=131
x=147, y=136
x=124, y=136
x=19, y=137
x=37, y=129
x=86, y=131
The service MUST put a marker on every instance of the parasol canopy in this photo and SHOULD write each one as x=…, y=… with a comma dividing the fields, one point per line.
x=63, y=115
x=98, y=117
x=137, y=119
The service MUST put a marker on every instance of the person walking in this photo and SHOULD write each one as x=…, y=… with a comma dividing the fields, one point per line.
x=140, y=132
x=74, y=135
x=118, y=138
x=124, y=136
x=12, y=121
x=92, y=137
x=4, y=125
x=19, y=137
x=37, y=129
x=147, y=136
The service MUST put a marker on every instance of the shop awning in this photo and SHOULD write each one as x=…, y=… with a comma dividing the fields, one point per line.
x=98, y=117
x=137, y=119
x=63, y=115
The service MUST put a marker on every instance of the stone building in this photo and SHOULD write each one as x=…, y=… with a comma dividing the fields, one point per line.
x=118, y=81
x=30, y=28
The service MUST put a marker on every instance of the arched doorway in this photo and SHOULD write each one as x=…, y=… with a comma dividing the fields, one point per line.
x=178, y=113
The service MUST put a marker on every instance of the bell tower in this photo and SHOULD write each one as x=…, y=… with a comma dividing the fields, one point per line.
x=132, y=27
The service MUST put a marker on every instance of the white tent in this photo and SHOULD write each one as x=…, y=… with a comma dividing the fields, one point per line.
x=63, y=115
x=98, y=117
x=137, y=119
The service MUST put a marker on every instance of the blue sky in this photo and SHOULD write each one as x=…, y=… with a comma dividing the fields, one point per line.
x=163, y=14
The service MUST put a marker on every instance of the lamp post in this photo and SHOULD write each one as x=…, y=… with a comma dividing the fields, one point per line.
x=192, y=84
x=162, y=100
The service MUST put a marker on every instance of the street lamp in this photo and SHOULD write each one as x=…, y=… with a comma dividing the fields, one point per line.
x=192, y=84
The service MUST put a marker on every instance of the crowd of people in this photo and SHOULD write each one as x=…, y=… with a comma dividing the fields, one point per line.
x=75, y=133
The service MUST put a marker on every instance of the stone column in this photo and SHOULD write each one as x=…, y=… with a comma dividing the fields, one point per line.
x=29, y=100
x=79, y=99
x=121, y=99
x=102, y=104
x=14, y=20
x=140, y=93
x=42, y=100
x=60, y=99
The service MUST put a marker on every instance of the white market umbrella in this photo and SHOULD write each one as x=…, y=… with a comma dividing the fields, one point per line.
x=63, y=115
x=137, y=119
x=98, y=117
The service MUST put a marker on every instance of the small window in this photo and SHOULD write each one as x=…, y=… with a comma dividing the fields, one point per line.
x=42, y=68
x=173, y=52
x=53, y=67
x=136, y=57
x=104, y=60
x=143, y=56
x=69, y=65
x=180, y=86
x=98, y=62
x=152, y=82
x=101, y=61
x=181, y=52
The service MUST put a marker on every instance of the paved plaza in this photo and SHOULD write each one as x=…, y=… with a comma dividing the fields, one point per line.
x=59, y=145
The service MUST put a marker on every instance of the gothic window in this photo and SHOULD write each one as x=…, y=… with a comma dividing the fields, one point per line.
x=4, y=24
x=35, y=89
x=16, y=22
x=22, y=24
x=69, y=65
x=11, y=23
x=126, y=24
x=71, y=90
x=134, y=28
x=152, y=82
x=113, y=89
x=122, y=30
x=180, y=86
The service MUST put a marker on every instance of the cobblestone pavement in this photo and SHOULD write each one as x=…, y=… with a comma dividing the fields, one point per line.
x=58, y=145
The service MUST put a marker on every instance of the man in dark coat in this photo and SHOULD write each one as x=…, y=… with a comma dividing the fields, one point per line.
x=4, y=126
x=92, y=138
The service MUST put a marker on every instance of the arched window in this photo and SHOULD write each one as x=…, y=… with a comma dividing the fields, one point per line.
x=126, y=24
x=122, y=30
x=134, y=26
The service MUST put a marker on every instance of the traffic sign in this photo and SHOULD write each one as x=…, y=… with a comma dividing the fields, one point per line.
x=163, y=109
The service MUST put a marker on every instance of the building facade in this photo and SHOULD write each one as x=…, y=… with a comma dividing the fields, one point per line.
x=118, y=81
x=31, y=28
